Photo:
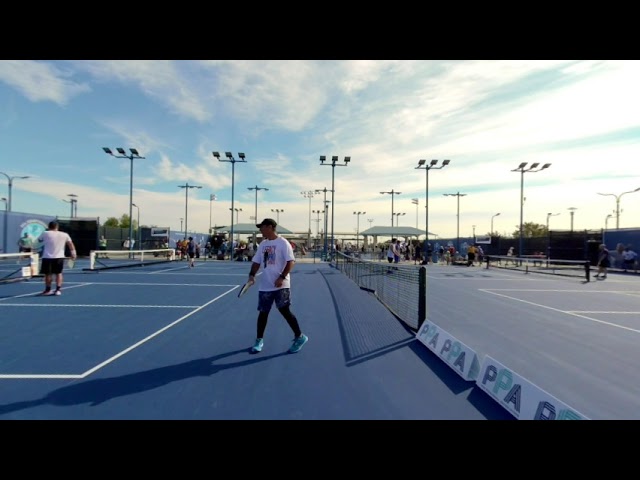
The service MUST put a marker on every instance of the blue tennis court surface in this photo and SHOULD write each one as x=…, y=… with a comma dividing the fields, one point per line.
x=170, y=342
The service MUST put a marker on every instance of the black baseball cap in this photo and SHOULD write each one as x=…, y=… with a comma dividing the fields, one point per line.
x=267, y=221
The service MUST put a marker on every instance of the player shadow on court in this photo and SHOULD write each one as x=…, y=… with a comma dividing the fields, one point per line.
x=100, y=390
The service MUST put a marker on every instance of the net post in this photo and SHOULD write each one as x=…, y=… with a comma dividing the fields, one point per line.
x=587, y=270
x=92, y=259
x=422, y=297
x=35, y=264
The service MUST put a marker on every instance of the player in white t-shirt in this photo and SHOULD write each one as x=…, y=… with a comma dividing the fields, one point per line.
x=54, y=242
x=276, y=256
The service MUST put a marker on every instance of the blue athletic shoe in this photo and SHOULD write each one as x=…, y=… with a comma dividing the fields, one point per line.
x=298, y=343
x=257, y=347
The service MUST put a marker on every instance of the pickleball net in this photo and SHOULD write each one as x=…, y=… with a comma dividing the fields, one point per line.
x=110, y=259
x=546, y=266
x=400, y=287
x=16, y=267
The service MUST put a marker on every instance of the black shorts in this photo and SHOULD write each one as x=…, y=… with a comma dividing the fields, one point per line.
x=52, y=266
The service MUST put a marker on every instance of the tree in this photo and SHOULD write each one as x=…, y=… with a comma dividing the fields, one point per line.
x=112, y=222
x=531, y=229
x=122, y=223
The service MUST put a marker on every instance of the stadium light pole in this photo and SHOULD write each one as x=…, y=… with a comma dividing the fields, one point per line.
x=522, y=169
x=494, y=216
x=358, y=226
x=415, y=201
x=422, y=164
x=139, y=235
x=317, y=220
x=549, y=215
x=6, y=214
x=458, y=194
x=334, y=163
x=255, y=212
x=325, y=205
x=212, y=197
x=397, y=215
x=572, y=210
x=74, y=204
x=10, y=179
x=392, y=193
x=181, y=220
x=277, y=211
x=309, y=195
x=233, y=162
x=618, y=197
x=133, y=155
x=186, y=187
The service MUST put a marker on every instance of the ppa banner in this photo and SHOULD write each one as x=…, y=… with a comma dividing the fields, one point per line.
x=462, y=359
x=520, y=397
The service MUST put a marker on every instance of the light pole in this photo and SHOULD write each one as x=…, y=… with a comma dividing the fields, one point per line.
x=255, y=212
x=6, y=214
x=186, y=187
x=397, y=215
x=521, y=168
x=572, y=210
x=277, y=211
x=606, y=222
x=358, y=226
x=237, y=210
x=212, y=197
x=11, y=179
x=415, y=201
x=74, y=204
x=123, y=154
x=309, y=195
x=392, y=193
x=325, y=206
x=317, y=220
x=422, y=164
x=549, y=215
x=333, y=165
x=181, y=220
x=139, y=235
x=618, y=197
x=474, y=232
x=458, y=194
x=494, y=216
x=233, y=161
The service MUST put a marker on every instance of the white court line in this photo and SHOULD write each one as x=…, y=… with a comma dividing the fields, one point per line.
x=603, y=311
x=39, y=292
x=93, y=305
x=561, y=311
x=117, y=355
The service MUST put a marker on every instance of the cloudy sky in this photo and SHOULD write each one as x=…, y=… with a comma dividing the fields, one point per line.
x=486, y=117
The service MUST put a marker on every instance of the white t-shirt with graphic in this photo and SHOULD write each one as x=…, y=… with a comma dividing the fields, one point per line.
x=54, y=242
x=273, y=256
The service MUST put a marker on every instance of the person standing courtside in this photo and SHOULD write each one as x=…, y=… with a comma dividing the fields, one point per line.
x=276, y=255
x=54, y=242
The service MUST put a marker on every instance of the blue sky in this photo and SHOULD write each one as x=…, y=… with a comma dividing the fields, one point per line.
x=486, y=117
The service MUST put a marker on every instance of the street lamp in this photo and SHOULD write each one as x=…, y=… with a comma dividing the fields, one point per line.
x=617, y=203
x=333, y=164
x=549, y=215
x=237, y=210
x=186, y=187
x=308, y=195
x=358, y=226
x=392, y=193
x=572, y=210
x=255, y=213
x=415, y=201
x=181, y=220
x=233, y=161
x=458, y=194
x=397, y=215
x=10, y=179
x=277, y=211
x=606, y=221
x=325, y=205
x=494, y=216
x=317, y=220
x=74, y=204
x=212, y=197
x=123, y=154
x=422, y=164
x=139, y=234
x=522, y=170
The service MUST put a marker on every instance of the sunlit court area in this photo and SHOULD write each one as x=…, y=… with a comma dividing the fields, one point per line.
x=162, y=340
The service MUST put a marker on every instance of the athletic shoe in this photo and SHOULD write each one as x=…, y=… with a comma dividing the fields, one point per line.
x=58, y=293
x=48, y=292
x=257, y=347
x=298, y=343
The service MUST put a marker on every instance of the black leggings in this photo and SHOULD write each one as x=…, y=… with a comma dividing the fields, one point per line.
x=288, y=316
